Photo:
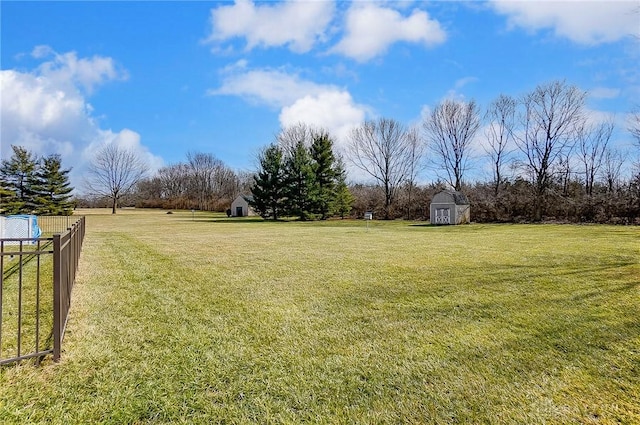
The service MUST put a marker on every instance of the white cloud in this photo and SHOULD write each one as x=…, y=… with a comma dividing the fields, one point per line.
x=273, y=87
x=295, y=24
x=37, y=105
x=67, y=68
x=299, y=100
x=126, y=139
x=42, y=51
x=371, y=29
x=332, y=110
x=604, y=93
x=455, y=92
x=584, y=22
x=46, y=111
x=595, y=117
x=460, y=83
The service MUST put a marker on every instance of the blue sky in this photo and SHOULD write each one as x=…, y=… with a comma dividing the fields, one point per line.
x=168, y=78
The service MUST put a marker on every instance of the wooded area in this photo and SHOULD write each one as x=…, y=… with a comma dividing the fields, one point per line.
x=548, y=159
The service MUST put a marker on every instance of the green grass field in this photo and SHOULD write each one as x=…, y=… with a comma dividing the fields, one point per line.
x=183, y=319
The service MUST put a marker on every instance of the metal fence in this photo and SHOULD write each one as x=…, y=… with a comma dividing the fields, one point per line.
x=52, y=224
x=35, y=291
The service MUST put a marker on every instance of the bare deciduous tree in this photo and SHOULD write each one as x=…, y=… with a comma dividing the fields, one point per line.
x=611, y=165
x=634, y=126
x=551, y=117
x=114, y=172
x=499, y=132
x=382, y=150
x=416, y=152
x=209, y=180
x=592, y=145
x=203, y=168
x=563, y=171
x=449, y=131
x=289, y=137
x=175, y=184
x=634, y=129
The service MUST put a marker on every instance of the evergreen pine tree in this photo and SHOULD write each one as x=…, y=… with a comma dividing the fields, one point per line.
x=268, y=186
x=5, y=197
x=325, y=172
x=17, y=176
x=52, y=187
x=300, y=182
x=343, y=198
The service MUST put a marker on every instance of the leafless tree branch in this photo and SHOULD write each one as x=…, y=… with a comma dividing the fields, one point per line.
x=449, y=130
x=551, y=117
x=114, y=172
x=382, y=149
x=499, y=133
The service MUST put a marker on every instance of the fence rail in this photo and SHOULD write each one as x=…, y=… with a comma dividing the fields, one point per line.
x=35, y=292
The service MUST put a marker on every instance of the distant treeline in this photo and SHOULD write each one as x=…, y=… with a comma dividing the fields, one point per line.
x=548, y=158
x=567, y=201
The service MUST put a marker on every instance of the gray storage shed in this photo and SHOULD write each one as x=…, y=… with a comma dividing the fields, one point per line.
x=450, y=207
x=240, y=206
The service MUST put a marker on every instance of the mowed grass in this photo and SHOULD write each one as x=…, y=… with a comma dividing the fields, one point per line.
x=202, y=319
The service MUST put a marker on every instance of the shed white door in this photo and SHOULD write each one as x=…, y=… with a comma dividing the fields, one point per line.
x=443, y=216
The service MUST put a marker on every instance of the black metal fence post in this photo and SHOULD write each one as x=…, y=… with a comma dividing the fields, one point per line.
x=57, y=297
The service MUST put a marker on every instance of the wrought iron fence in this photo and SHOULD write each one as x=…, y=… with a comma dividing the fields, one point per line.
x=52, y=224
x=35, y=292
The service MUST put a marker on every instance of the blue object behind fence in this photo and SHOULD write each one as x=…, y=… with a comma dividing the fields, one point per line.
x=21, y=226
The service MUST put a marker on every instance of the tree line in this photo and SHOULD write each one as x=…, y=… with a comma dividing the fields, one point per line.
x=31, y=185
x=546, y=158
x=202, y=182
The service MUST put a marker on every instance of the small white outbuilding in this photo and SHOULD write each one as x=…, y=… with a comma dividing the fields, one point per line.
x=450, y=207
x=240, y=206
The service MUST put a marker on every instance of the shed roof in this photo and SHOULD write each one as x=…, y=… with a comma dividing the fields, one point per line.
x=454, y=196
x=246, y=198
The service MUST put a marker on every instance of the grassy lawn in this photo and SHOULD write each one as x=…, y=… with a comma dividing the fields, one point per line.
x=182, y=319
